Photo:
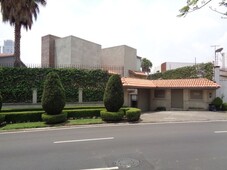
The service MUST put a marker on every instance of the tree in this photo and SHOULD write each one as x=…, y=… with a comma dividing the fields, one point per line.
x=146, y=65
x=20, y=13
x=193, y=5
x=114, y=94
x=53, y=98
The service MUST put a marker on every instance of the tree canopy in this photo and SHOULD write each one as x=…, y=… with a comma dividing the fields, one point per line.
x=146, y=65
x=193, y=5
x=20, y=13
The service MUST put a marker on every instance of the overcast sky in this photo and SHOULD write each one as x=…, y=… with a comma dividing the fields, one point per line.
x=150, y=26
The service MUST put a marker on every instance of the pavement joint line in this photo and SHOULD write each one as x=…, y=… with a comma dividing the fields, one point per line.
x=102, y=125
x=110, y=168
x=83, y=140
x=220, y=132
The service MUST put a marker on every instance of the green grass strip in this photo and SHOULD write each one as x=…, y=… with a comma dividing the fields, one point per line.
x=28, y=125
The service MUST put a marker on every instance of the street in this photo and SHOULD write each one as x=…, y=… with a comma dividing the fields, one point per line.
x=171, y=146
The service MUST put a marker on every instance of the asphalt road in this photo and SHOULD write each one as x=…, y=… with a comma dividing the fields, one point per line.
x=173, y=146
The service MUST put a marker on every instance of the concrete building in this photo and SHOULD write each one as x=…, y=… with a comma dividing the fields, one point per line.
x=7, y=60
x=173, y=65
x=73, y=51
x=8, y=47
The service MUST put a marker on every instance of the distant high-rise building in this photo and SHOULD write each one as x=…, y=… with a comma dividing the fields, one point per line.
x=0, y=49
x=8, y=47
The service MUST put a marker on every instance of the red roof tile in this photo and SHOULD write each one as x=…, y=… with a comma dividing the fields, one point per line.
x=133, y=82
x=6, y=55
x=172, y=83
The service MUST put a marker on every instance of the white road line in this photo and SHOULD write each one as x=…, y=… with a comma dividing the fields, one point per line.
x=220, y=131
x=83, y=140
x=110, y=168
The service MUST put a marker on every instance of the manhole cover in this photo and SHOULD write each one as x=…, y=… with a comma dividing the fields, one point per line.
x=126, y=163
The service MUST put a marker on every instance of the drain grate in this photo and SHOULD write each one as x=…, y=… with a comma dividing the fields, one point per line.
x=127, y=163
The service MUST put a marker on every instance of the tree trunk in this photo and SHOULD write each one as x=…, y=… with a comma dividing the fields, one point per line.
x=17, y=34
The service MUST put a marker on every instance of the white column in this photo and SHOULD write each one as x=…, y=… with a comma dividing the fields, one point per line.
x=80, y=95
x=34, y=95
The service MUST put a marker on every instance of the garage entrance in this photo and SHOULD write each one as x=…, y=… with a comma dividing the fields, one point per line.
x=177, y=98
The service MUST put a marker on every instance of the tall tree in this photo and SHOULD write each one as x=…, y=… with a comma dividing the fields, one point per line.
x=20, y=13
x=193, y=5
x=146, y=65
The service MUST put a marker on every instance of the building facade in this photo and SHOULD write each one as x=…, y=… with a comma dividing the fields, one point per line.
x=8, y=47
x=173, y=65
x=73, y=51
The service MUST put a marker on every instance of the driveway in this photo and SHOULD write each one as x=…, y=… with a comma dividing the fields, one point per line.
x=182, y=116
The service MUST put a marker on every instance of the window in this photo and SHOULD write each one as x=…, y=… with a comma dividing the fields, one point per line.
x=196, y=94
x=159, y=94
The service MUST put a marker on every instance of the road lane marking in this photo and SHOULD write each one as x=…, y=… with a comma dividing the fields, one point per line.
x=110, y=168
x=220, y=131
x=83, y=140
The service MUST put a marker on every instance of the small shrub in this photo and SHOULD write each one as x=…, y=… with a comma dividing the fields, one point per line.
x=53, y=98
x=114, y=94
x=112, y=116
x=83, y=113
x=2, y=118
x=161, y=108
x=54, y=119
x=217, y=102
x=224, y=106
x=133, y=114
x=19, y=117
x=0, y=101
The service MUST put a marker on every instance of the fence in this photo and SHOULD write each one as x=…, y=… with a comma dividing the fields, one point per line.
x=110, y=69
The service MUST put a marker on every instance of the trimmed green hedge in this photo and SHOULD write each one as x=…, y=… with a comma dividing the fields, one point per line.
x=18, y=117
x=2, y=118
x=53, y=119
x=16, y=83
x=224, y=106
x=133, y=114
x=112, y=116
x=83, y=113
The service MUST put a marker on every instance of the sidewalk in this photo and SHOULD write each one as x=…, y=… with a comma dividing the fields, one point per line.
x=182, y=116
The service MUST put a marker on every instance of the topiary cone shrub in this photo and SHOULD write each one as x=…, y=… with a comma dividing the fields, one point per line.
x=114, y=94
x=53, y=97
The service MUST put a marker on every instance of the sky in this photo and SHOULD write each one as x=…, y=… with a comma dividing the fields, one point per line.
x=150, y=26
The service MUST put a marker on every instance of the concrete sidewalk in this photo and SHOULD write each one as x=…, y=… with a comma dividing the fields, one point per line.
x=182, y=116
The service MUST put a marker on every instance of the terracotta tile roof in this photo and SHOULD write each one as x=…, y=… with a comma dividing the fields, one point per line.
x=172, y=83
x=6, y=55
x=133, y=82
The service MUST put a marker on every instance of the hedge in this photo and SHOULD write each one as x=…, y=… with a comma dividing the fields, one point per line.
x=18, y=117
x=224, y=106
x=53, y=119
x=16, y=83
x=83, y=113
x=133, y=114
x=2, y=118
x=112, y=116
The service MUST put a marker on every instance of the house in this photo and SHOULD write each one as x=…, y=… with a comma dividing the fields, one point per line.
x=175, y=94
x=7, y=60
x=72, y=51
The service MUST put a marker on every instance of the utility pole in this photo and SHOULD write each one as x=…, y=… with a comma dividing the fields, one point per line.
x=215, y=54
